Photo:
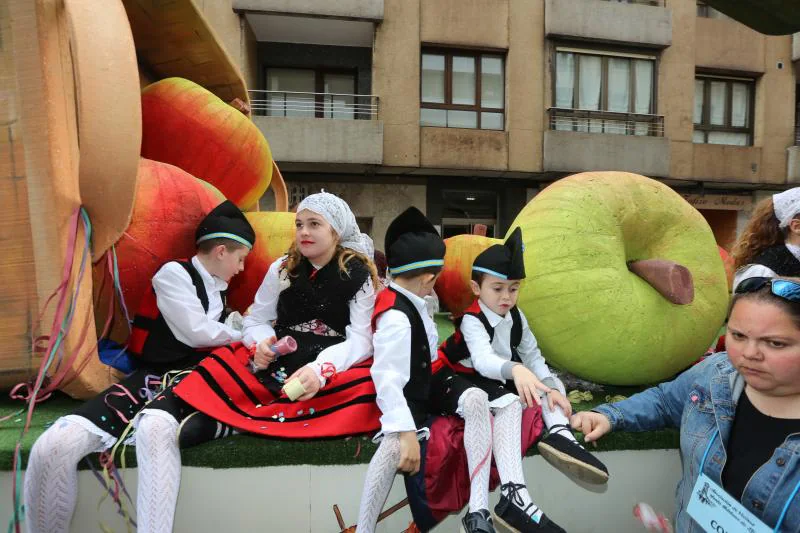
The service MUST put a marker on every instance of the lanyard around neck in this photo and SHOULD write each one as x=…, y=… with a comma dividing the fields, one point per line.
x=788, y=501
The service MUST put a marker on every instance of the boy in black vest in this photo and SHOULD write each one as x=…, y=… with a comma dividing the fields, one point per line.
x=406, y=363
x=176, y=325
x=494, y=348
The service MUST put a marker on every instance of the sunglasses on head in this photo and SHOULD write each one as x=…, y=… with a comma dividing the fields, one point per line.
x=782, y=288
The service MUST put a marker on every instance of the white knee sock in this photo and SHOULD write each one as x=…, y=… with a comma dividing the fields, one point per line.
x=508, y=452
x=159, y=460
x=474, y=405
x=51, y=479
x=556, y=417
x=380, y=476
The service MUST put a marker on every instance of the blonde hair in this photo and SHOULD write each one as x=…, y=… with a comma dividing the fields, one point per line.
x=762, y=232
x=342, y=255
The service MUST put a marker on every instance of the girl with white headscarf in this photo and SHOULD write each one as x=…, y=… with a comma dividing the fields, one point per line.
x=769, y=246
x=321, y=293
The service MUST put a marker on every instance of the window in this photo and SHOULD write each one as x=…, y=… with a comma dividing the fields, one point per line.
x=462, y=90
x=642, y=2
x=295, y=92
x=797, y=115
x=365, y=224
x=723, y=111
x=604, y=92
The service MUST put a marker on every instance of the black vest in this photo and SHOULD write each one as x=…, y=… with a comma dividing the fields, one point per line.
x=455, y=347
x=417, y=390
x=780, y=260
x=159, y=347
x=325, y=297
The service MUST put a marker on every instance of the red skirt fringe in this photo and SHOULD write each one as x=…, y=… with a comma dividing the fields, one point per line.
x=223, y=387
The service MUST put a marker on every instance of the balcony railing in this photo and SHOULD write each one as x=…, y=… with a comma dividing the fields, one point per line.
x=586, y=121
x=640, y=2
x=314, y=105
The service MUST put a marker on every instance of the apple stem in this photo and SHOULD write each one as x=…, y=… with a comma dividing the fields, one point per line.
x=671, y=280
x=240, y=105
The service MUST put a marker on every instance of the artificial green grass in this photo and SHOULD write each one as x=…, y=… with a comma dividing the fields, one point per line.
x=244, y=451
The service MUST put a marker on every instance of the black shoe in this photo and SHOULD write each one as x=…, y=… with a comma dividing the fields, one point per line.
x=566, y=454
x=514, y=518
x=478, y=522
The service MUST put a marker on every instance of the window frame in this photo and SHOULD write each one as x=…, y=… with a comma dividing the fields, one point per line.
x=705, y=125
x=605, y=55
x=319, y=85
x=632, y=118
x=797, y=114
x=448, y=83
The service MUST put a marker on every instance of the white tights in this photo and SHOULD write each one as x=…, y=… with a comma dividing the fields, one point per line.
x=380, y=476
x=51, y=479
x=159, y=459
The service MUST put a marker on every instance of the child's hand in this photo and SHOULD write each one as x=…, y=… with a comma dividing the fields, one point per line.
x=592, y=425
x=528, y=386
x=409, y=452
x=264, y=355
x=555, y=398
x=310, y=382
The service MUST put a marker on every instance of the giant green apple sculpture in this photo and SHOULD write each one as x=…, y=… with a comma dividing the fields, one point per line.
x=590, y=313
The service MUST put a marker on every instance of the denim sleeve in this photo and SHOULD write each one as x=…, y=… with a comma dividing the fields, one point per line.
x=660, y=406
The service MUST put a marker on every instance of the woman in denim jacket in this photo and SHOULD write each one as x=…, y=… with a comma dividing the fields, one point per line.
x=738, y=412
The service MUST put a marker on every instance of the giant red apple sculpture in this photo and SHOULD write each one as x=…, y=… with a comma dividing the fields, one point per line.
x=186, y=125
x=274, y=234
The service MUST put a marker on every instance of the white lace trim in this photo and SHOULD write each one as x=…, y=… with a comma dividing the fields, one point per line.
x=108, y=441
x=422, y=434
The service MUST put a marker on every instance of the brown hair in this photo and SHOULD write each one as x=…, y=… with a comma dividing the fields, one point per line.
x=230, y=245
x=761, y=232
x=343, y=255
x=764, y=294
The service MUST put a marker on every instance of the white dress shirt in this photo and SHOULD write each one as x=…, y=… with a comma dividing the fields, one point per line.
x=488, y=356
x=176, y=297
x=357, y=345
x=754, y=270
x=392, y=367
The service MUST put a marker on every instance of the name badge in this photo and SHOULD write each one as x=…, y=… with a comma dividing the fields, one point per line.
x=716, y=511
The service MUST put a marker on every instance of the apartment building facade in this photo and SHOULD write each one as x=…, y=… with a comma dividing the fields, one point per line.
x=467, y=108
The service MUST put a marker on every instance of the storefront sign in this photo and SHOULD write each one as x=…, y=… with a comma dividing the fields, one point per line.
x=720, y=201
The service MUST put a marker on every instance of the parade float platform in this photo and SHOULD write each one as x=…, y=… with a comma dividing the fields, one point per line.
x=246, y=483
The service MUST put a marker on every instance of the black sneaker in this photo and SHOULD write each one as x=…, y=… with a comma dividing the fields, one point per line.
x=478, y=522
x=566, y=454
x=509, y=513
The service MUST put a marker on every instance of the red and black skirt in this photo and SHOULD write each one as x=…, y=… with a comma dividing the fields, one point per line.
x=223, y=387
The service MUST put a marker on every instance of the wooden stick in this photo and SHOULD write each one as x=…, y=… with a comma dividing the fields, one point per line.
x=393, y=509
x=339, y=518
x=388, y=512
